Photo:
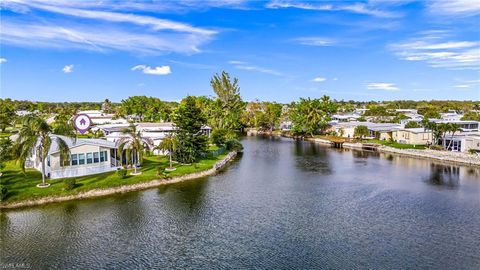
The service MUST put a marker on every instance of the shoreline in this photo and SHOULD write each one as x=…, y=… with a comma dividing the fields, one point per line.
x=123, y=189
x=457, y=158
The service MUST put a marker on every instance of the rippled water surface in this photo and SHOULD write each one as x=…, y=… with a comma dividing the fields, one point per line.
x=283, y=204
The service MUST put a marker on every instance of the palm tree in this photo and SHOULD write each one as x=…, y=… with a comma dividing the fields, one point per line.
x=36, y=136
x=169, y=143
x=133, y=143
x=452, y=128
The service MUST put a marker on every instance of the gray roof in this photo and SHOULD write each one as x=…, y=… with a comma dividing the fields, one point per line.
x=71, y=142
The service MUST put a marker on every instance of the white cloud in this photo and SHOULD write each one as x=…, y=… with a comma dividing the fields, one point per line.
x=319, y=79
x=67, y=69
x=335, y=79
x=353, y=7
x=246, y=66
x=3, y=60
x=462, y=86
x=315, y=41
x=454, y=7
x=433, y=48
x=162, y=70
x=382, y=86
x=98, y=30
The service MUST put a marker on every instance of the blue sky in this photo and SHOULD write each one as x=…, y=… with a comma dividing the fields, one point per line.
x=67, y=50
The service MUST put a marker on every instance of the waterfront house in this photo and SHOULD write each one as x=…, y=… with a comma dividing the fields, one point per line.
x=381, y=131
x=416, y=136
x=461, y=142
x=87, y=156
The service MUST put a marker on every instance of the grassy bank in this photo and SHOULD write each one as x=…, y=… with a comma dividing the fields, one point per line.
x=22, y=186
x=397, y=145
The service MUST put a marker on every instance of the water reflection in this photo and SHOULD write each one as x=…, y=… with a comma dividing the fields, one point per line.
x=312, y=157
x=444, y=175
x=187, y=197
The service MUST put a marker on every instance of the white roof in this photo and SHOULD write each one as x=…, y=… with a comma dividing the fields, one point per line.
x=72, y=143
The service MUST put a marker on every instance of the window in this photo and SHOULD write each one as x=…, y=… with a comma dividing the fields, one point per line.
x=81, y=159
x=89, y=158
x=48, y=160
x=74, y=159
x=102, y=156
x=106, y=156
x=95, y=157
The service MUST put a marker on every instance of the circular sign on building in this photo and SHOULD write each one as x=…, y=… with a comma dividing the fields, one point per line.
x=82, y=123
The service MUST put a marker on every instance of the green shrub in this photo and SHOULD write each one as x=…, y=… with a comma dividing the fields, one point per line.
x=233, y=145
x=122, y=173
x=160, y=170
x=69, y=183
x=219, y=137
x=436, y=147
x=472, y=151
x=3, y=192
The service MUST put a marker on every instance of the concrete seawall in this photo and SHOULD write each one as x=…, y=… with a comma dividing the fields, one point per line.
x=126, y=188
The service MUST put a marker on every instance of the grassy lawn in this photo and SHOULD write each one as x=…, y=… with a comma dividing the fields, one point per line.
x=23, y=186
x=397, y=145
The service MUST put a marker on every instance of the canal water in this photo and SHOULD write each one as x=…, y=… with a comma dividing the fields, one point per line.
x=281, y=205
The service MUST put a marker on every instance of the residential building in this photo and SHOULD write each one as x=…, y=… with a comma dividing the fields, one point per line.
x=417, y=136
x=462, y=142
x=87, y=156
x=98, y=117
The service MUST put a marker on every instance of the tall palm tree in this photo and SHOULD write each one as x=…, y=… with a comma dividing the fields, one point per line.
x=452, y=128
x=169, y=143
x=133, y=144
x=36, y=135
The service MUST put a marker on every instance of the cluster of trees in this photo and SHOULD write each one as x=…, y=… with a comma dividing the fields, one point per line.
x=263, y=115
x=311, y=116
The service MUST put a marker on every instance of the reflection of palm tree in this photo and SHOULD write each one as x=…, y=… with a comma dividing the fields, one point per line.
x=132, y=143
x=169, y=143
x=37, y=136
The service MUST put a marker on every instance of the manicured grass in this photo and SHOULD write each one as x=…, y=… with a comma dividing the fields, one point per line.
x=23, y=186
x=397, y=145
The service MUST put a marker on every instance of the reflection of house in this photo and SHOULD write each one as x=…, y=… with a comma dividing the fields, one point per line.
x=98, y=117
x=87, y=156
x=416, y=136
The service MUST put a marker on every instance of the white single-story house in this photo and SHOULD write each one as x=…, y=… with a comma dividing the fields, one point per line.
x=344, y=117
x=464, y=125
x=87, y=156
x=98, y=117
x=462, y=142
x=381, y=131
x=153, y=133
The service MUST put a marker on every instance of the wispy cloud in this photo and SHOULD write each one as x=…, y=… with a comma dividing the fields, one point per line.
x=382, y=86
x=319, y=79
x=455, y=7
x=3, y=60
x=246, y=66
x=315, y=41
x=353, y=7
x=161, y=70
x=98, y=30
x=433, y=48
x=67, y=69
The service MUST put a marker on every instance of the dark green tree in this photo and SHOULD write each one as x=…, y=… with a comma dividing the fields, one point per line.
x=191, y=142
